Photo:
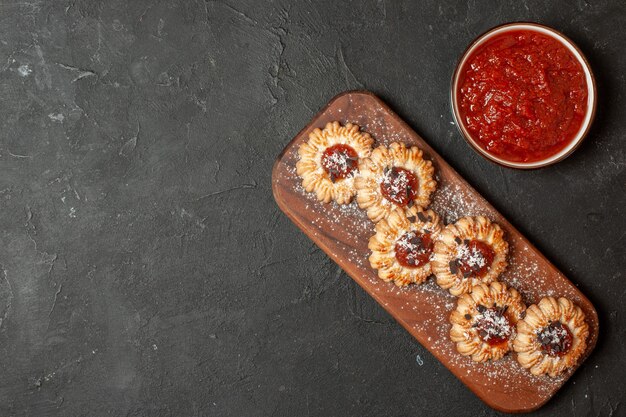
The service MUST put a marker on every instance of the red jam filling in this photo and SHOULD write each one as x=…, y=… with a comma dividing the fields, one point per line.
x=494, y=327
x=399, y=186
x=339, y=161
x=413, y=249
x=555, y=339
x=474, y=258
x=522, y=96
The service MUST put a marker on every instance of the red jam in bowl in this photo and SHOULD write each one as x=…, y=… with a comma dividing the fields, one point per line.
x=522, y=96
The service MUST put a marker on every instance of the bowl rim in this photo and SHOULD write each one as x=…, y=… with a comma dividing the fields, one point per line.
x=592, y=93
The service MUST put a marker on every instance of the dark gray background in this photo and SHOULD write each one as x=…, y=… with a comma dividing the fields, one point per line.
x=145, y=268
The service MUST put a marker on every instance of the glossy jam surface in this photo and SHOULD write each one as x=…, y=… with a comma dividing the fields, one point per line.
x=474, y=258
x=339, y=161
x=494, y=327
x=522, y=96
x=414, y=249
x=555, y=339
x=399, y=186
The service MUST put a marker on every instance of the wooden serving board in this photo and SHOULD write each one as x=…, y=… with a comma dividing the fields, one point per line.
x=343, y=233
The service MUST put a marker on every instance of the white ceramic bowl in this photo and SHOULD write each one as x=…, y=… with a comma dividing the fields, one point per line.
x=591, y=96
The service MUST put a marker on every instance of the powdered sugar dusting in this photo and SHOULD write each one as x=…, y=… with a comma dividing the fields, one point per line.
x=452, y=203
x=493, y=324
x=344, y=231
x=471, y=256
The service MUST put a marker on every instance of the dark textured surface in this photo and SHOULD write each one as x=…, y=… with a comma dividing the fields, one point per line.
x=145, y=267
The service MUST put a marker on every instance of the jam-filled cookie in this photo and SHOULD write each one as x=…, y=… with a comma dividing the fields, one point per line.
x=551, y=337
x=394, y=177
x=483, y=324
x=403, y=245
x=468, y=252
x=330, y=160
